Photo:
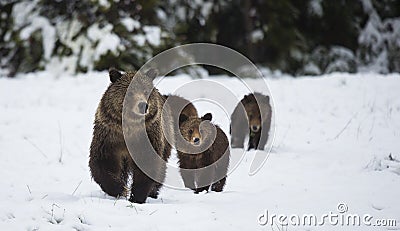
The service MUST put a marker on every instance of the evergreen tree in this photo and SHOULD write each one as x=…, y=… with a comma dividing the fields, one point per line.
x=295, y=36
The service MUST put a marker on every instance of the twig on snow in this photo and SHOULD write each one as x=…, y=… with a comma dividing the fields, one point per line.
x=77, y=187
x=345, y=127
x=35, y=146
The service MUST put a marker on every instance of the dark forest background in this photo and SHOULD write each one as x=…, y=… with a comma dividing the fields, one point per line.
x=299, y=37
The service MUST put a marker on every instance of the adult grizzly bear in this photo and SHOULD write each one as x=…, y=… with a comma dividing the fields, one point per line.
x=110, y=161
x=251, y=117
x=202, y=169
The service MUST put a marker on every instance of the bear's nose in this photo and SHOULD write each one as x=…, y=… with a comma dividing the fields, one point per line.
x=255, y=128
x=143, y=107
x=196, y=141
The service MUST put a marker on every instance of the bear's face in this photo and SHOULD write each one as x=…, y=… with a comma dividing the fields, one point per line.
x=254, y=116
x=194, y=130
x=138, y=91
x=253, y=103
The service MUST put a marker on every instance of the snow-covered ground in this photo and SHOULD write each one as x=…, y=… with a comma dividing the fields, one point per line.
x=337, y=141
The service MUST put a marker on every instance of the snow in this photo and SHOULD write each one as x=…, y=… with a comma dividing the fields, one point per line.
x=336, y=142
x=315, y=8
x=312, y=69
x=161, y=14
x=181, y=13
x=107, y=40
x=153, y=35
x=109, y=43
x=206, y=9
x=379, y=43
x=26, y=18
x=48, y=34
x=81, y=46
x=23, y=12
x=341, y=59
x=65, y=65
x=257, y=35
x=371, y=34
x=130, y=24
x=139, y=39
x=104, y=3
x=367, y=6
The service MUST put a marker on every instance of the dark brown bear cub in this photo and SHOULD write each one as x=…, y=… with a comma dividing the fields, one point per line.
x=251, y=117
x=110, y=161
x=208, y=167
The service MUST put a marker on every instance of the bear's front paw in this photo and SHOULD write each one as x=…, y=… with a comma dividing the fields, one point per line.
x=153, y=194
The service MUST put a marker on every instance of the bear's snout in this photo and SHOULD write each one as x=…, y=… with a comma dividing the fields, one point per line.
x=196, y=140
x=255, y=128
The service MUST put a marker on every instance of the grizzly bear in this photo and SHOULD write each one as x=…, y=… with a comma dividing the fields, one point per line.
x=209, y=166
x=110, y=162
x=251, y=117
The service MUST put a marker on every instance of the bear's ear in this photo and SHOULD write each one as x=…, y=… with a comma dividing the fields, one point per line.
x=266, y=99
x=207, y=116
x=246, y=98
x=152, y=73
x=114, y=74
x=182, y=118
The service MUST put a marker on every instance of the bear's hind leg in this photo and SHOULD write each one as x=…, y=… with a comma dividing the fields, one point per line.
x=198, y=190
x=251, y=143
x=141, y=187
x=110, y=176
x=263, y=138
x=221, y=171
x=188, y=178
x=157, y=186
x=237, y=139
x=205, y=179
x=219, y=185
x=155, y=190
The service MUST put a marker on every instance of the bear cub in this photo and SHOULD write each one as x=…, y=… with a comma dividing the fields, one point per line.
x=251, y=117
x=110, y=162
x=208, y=168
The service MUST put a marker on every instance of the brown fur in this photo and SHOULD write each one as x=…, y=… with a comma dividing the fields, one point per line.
x=218, y=151
x=257, y=109
x=110, y=161
x=179, y=106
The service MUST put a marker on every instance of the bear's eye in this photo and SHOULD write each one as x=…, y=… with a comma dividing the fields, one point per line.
x=190, y=131
x=250, y=116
